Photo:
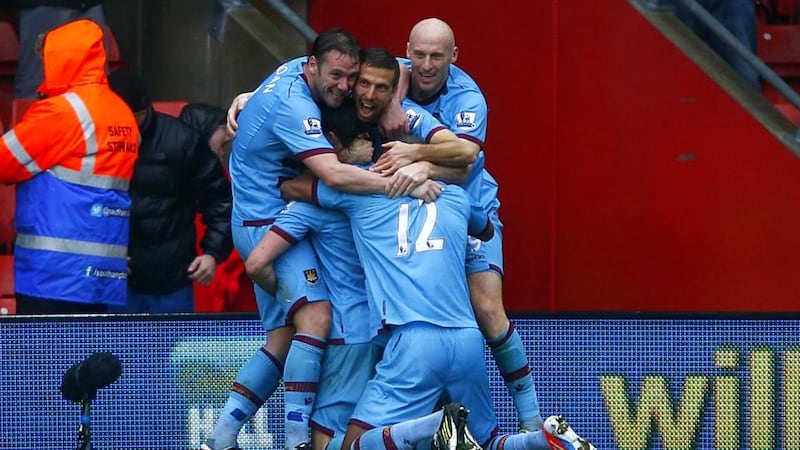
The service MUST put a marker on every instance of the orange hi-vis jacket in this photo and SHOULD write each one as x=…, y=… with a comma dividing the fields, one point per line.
x=72, y=156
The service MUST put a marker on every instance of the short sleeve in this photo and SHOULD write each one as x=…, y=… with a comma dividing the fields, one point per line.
x=299, y=126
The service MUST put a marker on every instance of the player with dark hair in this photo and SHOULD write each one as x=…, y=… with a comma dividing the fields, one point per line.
x=280, y=127
x=372, y=93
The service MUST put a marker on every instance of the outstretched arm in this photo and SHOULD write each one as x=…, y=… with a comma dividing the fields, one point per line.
x=393, y=122
x=237, y=105
x=444, y=149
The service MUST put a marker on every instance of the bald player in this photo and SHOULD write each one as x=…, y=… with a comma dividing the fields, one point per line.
x=453, y=97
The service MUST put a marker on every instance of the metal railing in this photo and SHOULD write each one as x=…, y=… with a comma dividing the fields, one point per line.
x=223, y=6
x=726, y=37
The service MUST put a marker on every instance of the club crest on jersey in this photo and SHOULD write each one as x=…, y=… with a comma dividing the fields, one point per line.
x=466, y=119
x=311, y=276
x=413, y=118
x=313, y=127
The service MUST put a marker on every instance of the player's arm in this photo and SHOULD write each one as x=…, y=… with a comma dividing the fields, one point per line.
x=300, y=188
x=479, y=224
x=415, y=173
x=393, y=122
x=237, y=105
x=443, y=148
x=259, y=264
x=344, y=177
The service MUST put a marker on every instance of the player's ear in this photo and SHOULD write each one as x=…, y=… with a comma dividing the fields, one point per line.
x=313, y=64
x=455, y=54
x=335, y=142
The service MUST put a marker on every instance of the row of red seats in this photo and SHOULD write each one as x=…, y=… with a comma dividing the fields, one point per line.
x=778, y=11
x=778, y=45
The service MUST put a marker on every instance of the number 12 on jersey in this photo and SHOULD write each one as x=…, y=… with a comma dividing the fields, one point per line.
x=423, y=241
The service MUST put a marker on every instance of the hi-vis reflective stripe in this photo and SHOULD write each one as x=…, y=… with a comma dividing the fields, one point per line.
x=85, y=176
x=72, y=246
x=20, y=153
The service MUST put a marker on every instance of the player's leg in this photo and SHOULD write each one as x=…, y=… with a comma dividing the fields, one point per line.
x=407, y=384
x=402, y=436
x=468, y=384
x=254, y=384
x=556, y=434
x=346, y=369
x=484, y=275
x=261, y=375
x=304, y=297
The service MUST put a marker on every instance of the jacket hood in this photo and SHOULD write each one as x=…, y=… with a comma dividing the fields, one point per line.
x=73, y=55
x=204, y=118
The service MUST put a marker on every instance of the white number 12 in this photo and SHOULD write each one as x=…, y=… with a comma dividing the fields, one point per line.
x=423, y=243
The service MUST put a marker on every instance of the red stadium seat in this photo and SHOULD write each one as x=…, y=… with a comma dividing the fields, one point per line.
x=113, y=56
x=9, y=55
x=7, y=208
x=8, y=301
x=171, y=107
x=9, y=50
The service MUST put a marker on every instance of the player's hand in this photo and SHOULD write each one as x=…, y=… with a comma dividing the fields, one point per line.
x=359, y=152
x=396, y=154
x=407, y=178
x=237, y=105
x=393, y=122
x=428, y=191
x=202, y=269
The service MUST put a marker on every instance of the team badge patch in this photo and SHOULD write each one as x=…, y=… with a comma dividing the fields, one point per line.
x=313, y=126
x=413, y=118
x=311, y=276
x=466, y=120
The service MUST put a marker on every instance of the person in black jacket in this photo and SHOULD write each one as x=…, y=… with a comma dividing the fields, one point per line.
x=175, y=177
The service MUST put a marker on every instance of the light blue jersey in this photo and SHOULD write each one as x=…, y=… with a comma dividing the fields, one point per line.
x=421, y=123
x=350, y=357
x=332, y=239
x=278, y=128
x=413, y=254
x=461, y=108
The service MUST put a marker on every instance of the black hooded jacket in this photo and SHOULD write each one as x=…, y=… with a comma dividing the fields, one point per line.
x=176, y=176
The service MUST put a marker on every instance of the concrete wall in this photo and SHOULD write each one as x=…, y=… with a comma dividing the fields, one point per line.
x=202, y=50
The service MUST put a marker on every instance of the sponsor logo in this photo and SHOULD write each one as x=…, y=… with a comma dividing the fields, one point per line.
x=466, y=119
x=413, y=118
x=98, y=210
x=313, y=126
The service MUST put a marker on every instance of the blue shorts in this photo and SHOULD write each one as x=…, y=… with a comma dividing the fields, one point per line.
x=486, y=256
x=424, y=366
x=297, y=272
x=346, y=369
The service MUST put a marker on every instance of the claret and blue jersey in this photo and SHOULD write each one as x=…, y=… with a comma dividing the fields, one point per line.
x=278, y=128
x=413, y=254
x=461, y=107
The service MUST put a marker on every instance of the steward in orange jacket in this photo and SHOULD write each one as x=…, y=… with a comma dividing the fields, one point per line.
x=72, y=156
